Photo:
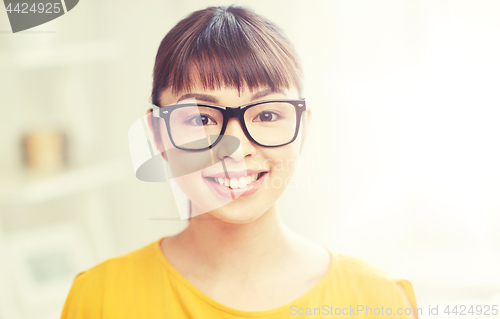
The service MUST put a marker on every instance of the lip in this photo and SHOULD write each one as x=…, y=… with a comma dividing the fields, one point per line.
x=236, y=174
x=236, y=192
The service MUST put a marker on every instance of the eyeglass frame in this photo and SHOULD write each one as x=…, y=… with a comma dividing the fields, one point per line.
x=229, y=113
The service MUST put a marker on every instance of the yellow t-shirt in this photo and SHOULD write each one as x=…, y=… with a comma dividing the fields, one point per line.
x=143, y=284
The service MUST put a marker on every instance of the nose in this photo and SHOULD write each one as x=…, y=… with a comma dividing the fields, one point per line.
x=246, y=147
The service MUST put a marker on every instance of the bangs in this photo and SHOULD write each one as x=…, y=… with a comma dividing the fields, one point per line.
x=225, y=47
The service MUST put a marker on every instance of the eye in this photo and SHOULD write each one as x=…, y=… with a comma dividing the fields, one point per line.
x=201, y=120
x=266, y=116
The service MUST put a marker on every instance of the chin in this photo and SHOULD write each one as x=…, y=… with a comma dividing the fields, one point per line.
x=237, y=215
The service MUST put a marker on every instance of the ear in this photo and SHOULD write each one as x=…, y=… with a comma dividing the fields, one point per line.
x=305, y=126
x=154, y=125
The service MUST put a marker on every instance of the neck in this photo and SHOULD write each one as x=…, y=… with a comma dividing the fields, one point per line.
x=242, y=250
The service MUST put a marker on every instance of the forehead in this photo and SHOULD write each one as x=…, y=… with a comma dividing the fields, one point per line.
x=226, y=95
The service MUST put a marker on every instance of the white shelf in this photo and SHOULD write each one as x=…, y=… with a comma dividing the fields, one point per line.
x=35, y=190
x=58, y=55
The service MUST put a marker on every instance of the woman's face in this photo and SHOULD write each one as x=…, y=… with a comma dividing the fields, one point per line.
x=257, y=175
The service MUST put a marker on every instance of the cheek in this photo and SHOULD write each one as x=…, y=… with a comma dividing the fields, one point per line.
x=183, y=162
x=283, y=160
x=165, y=140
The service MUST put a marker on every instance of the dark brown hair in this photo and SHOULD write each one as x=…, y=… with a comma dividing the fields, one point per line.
x=225, y=46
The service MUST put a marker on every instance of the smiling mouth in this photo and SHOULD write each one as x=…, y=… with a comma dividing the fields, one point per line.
x=237, y=183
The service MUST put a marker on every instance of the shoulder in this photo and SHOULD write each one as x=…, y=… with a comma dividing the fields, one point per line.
x=112, y=277
x=370, y=284
x=357, y=268
x=123, y=265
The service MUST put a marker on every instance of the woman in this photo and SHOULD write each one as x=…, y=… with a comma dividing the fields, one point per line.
x=229, y=85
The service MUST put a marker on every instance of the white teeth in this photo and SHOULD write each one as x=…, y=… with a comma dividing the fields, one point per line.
x=233, y=183
x=242, y=182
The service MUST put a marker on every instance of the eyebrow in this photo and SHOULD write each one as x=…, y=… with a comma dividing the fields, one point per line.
x=212, y=99
x=265, y=92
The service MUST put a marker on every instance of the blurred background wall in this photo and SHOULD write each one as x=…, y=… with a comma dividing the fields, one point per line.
x=400, y=166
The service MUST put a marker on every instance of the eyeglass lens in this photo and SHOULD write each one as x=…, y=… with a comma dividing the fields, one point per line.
x=197, y=127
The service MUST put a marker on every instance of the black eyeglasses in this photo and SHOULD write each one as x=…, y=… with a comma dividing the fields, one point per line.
x=199, y=127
